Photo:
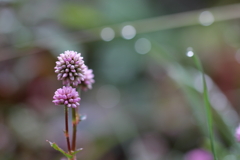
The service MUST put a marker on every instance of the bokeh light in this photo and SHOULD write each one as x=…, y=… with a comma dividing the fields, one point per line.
x=206, y=18
x=128, y=32
x=107, y=34
x=142, y=46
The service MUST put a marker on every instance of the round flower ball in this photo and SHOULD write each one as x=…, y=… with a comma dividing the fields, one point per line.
x=70, y=68
x=66, y=96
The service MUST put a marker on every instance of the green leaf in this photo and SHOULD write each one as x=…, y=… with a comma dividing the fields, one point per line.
x=55, y=146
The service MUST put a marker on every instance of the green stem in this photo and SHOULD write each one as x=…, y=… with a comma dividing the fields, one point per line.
x=66, y=129
x=77, y=113
x=207, y=105
x=75, y=121
x=74, y=136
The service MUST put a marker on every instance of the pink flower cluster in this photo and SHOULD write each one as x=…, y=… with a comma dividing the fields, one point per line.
x=67, y=96
x=237, y=133
x=70, y=68
x=72, y=71
x=198, y=154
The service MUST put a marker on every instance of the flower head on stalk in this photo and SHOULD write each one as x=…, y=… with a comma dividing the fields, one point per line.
x=66, y=96
x=237, y=133
x=70, y=68
x=198, y=154
x=88, y=80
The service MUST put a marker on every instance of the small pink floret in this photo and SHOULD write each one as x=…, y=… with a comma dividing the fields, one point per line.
x=88, y=80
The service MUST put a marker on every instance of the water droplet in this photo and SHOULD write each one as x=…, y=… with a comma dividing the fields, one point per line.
x=128, y=32
x=190, y=53
x=142, y=46
x=83, y=117
x=107, y=34
x=206, y=18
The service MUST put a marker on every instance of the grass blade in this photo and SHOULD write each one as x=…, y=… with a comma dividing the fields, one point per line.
x=207, y=105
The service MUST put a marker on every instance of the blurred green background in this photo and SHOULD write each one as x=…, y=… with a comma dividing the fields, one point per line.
x=147, y=101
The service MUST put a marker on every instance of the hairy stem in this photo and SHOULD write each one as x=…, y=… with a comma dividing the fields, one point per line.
x=66, y=129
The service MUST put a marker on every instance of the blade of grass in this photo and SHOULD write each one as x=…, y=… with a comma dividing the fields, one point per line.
x=184, y=77
x=185, y=80
x=207, y=104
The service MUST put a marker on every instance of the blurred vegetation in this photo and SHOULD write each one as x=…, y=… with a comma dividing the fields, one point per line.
x=147, y=102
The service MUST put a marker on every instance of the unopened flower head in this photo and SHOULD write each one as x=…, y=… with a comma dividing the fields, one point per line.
x=66, y=96
x=237, y=133
x=198, y=154
x=70, y=68
x=88, y=80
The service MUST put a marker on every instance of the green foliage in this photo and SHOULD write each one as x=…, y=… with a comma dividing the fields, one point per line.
x=56, y=147
x=79, y=16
